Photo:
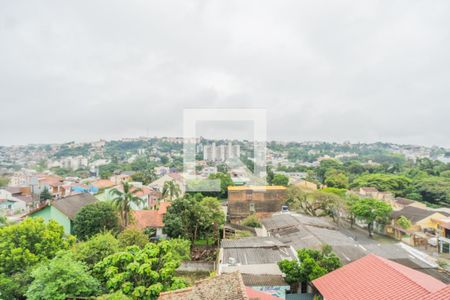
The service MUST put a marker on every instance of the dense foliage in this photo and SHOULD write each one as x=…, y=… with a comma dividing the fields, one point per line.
x=96, y=248
x=62, y=278
x=193, y=217
x=25, y=244
x=370, y=211
x=133, y=236
x=95, y=218
x=251, y=221
x=312, y=264
x=144, y=273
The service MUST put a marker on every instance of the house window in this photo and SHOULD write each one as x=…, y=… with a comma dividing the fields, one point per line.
x=252, y=207
x=248, y=195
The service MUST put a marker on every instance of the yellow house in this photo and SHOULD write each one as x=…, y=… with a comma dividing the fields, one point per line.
x=420, y=218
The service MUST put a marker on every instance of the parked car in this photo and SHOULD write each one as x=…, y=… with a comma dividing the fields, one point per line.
x=432, y=242
x=284, y=209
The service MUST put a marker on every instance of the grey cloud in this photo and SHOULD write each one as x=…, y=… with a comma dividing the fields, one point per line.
x=324, y=70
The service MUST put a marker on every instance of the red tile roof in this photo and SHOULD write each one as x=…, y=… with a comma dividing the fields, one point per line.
x=150, y=218
x=442, y=294
x=163, y=206
x=103, y=183
x=147, y=218
x=375, y=278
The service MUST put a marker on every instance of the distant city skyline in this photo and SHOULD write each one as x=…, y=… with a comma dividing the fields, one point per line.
x=218, y=139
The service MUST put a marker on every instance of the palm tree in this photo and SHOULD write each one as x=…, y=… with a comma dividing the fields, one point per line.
x=171, y=190
x=122, y=200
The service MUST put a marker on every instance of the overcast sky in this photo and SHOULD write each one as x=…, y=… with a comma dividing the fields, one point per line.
x=362, y=71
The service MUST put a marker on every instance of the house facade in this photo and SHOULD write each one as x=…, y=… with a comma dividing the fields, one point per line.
x=262, y=201
x=63, y=210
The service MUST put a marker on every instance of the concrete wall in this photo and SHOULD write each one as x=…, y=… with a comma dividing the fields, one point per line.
x=264, y=202
x=196, y=266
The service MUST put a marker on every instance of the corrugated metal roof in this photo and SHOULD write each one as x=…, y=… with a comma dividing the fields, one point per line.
x=252, y=242
x=255, y=256
x=71, y=205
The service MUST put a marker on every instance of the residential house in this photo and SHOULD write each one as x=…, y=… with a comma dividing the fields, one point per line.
x=143, y=219
x=443, y=234
x=11, y=207
x=120, y=178
x=375, y=278
x=148, y=196
x=16, y=200
x=177, y=178
x=54, y=184
x=103, y=184
x=222, y=287
x=302, y=231
x=262, y=201
x=423, y=222
x=256, y=258
x=63, y=210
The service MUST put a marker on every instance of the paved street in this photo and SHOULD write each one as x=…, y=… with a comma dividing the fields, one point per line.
x=349, y=243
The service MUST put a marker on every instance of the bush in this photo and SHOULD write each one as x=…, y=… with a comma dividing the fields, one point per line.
x=114, y=296
x=25, y=244
x=63, y=277
x=252, y=221
x=95, y=218
x=144, y=273
x=132, y=236
x=96, y=248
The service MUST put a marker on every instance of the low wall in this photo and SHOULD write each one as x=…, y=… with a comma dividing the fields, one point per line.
x=196, y=266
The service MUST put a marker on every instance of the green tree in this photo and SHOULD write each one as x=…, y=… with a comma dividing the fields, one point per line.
x=316, y=203
x=214, y=217
x=144, y=273
x=62, y=278
x=114, y=296
x=131, y=237
x=370, y=211
x=225, y=182
x=403, y=222
x=145, y=176
x=270, y=175
x=336, y=179
x=96, y=248
x=311, y=265
x=350, y=200
x=434, y=190
x=398, y=184
x=192, y=217
x=94, y=218
x=252, y=221
x=326, y=165
x=171, y=190
x=280, y=179
x=3, y=181
x=123, y=200
x=29, y=242
x=13, y=287
x=45, y=195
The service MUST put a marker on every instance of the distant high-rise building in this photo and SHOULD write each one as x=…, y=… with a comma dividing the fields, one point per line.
x=221, y=152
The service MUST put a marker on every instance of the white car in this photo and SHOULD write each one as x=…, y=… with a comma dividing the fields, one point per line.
x=432, y=241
